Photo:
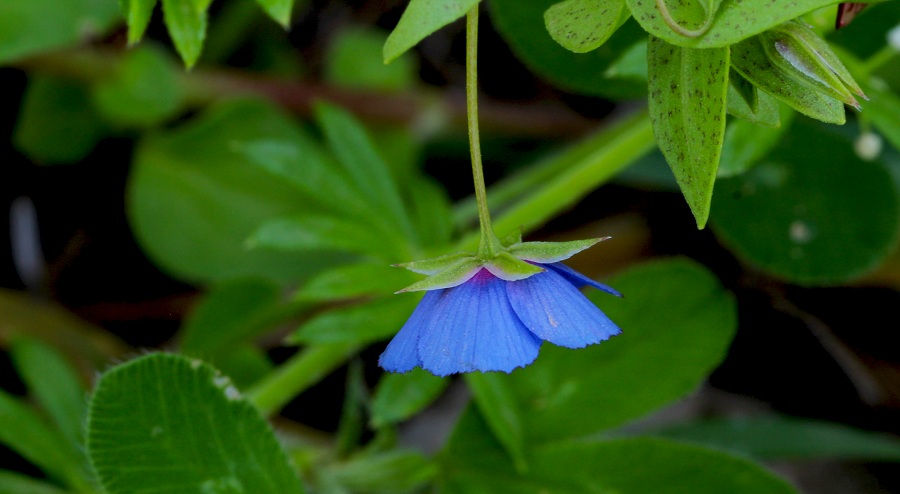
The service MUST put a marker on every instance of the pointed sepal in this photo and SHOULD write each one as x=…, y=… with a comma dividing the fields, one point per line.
x=435, y=264
x=454, y=275
x=509, y=268
x=550, y=252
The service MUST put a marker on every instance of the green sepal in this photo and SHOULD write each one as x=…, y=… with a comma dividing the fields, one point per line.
x=792, y=49
x=435, y=264
x=550, y=252
x=514, y=237
x=507, y=267
x=454, y=275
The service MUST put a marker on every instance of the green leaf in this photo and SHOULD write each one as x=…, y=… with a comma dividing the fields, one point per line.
x=400, y=396
x=430, y=212
x=25, y=433
x=54, y=384
x=474, y=462
x=750, y=60
x=631, y=64
x=57, y=124
x=143, y=91
x=421, y=18
x=550, y=252
x=766, y=113
x=391, y=472
x=37, y=26
x=193, y=200
x=359, y=323
x=746, y=143
x=350, y=143
x=735, y=20
x=687, y=106
x=354, y=61
x=583, y=25
x=186, y=429
x=280, y=10
x=355, y=280
x=499, y=408
x=187, y=27
x=137, y=16
x=230, y=313
x=16, y=483
x=521, y=23
x=309, y=233
x=784, y=438
x=782, y=216
x=677, y=324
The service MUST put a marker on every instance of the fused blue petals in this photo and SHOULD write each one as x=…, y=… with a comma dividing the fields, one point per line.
x=474, y=328
x=580, y=280
x=401, y=354
x=555, y=310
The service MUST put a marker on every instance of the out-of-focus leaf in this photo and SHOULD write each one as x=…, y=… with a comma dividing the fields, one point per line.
x=784, y=438
x=36, y=26
x=186, y=429
x=400, y=396
x=583, y=25
x=573, y=393
x=54, y=384
x=501, y=412
x=883, y=108
x=280, y=10
x=812, y=212
x=187, y=27
x=310, y=233
x=392, y=472
x=360, y=323
x=15, y=483
x=25, y=433
x=355, y=280
x=521, y=22
x=766, y=112
x=137, y=15
x=473, y=461
x=687, y=107
x=354, y=61
x=421, y=18
x=735, y=20
x=632, y=64
x=431, y=212
x=245, y=363
x=193, y=200
x=57, y=124
x=143, y=92
x=749, y=59
x=230, y=313
x=746, y=143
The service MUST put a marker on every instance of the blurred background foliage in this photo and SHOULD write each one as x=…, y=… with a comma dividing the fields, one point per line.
x=242, y=215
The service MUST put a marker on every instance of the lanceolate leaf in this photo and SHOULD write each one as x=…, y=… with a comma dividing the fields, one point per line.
x=421, y=18
x=400, y=396
x=734, y=21
x=185, y=428
x=766, y=112
x=280, y=10
x=687, y=107
x=137, y=15
x=584, y=25
x=749, y=59
x=187, y=27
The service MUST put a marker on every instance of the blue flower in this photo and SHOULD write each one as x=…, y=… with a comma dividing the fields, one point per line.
x=490, y=324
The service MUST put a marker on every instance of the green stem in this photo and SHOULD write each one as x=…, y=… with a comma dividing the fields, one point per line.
x=587, y=166
x=297, y=374
x=488, y=245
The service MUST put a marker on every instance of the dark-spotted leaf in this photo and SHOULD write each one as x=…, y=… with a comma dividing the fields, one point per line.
x=812, y=212
x=186, y=429
x=187, y=27
x=421, y=18
x=583, y=25
x=473, y=462
x=750, y=60
x=400, y=396
x=687, y=107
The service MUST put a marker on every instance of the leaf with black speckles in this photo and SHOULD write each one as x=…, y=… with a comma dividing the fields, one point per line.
x=687, y=107
x=735, y=20
x=750, y=60
x=583, y=25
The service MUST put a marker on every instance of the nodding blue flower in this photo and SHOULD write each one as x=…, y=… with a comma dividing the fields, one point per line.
x=487, y=323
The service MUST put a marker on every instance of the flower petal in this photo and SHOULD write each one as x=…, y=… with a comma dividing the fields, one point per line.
x=475, y=329
x=401, y=354
x=554, y=310
x=580, y=280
